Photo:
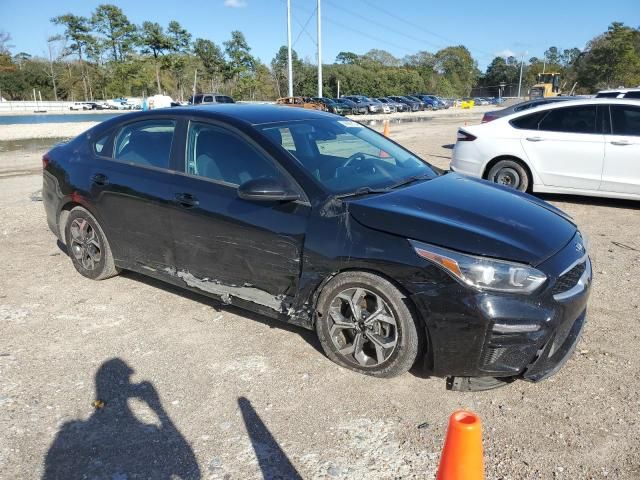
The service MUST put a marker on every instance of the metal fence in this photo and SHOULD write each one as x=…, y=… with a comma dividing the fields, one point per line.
x=509, y=90
x=31, y=106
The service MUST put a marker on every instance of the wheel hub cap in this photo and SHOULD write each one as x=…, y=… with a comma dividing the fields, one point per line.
x=363, y=328
x=85, y=245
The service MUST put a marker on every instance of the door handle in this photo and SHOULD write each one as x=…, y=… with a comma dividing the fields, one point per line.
x=620, y=142
x=535, y=139
x=100, y=179
x=186, y=200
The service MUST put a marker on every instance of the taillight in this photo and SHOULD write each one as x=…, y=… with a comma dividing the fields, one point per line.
x=487, y=118
x=45, y=160
x=465, y=136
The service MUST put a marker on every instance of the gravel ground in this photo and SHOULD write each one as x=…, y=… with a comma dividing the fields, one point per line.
x=219, y=393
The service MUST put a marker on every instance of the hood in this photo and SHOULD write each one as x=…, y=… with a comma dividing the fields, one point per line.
x=469, y=215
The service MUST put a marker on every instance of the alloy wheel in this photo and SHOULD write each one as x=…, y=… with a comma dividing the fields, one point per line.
x=363, y=329
x=85, y=245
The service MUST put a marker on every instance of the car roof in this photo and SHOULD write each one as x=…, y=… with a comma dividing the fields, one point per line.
x=573, y=103
x=620, y=90
x=251, y=114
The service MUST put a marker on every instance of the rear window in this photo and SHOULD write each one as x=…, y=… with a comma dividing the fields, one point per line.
x=625, y=120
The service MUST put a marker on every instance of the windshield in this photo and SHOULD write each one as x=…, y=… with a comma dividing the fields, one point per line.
x=345, y=156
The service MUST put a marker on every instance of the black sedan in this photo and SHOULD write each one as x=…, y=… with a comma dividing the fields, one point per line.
x=321, y=222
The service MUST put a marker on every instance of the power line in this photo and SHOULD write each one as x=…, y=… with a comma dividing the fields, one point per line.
x=418, y=26
x=304, y=27
x=383, y=25
x=350, y=29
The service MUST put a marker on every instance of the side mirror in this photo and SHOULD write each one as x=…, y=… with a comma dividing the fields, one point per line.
x=266, y=189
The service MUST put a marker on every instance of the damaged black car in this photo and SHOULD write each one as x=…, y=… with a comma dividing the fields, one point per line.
x=321, y=222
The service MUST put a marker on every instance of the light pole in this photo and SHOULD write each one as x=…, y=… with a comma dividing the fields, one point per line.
x=289, y=62
x=319, y=51
x=520, y=82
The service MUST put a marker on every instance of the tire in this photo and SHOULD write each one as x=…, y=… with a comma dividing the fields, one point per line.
x=385, y=345
x=510, y=173
x=87, y=246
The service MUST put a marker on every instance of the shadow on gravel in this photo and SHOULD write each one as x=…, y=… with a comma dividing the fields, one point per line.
x=308, y=335
x=113, y=443
x=449, y=146
x=272, y=460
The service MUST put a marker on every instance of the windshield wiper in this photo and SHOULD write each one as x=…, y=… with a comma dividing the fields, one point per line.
x=409, y=180
x=361, y=191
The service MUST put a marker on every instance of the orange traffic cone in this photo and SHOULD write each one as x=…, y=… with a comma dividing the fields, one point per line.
x=385, y=132
x=462, y=452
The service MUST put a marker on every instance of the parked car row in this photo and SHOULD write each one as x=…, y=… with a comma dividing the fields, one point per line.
x=361, y=104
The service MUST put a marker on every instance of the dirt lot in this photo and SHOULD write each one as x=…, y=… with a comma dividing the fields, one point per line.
x=217, y=393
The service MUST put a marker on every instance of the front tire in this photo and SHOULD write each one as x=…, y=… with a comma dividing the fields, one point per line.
x=510, y=173
x=364, y=324
x=87, y=246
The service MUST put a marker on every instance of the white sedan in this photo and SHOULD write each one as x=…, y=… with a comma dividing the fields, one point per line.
x=581, y=147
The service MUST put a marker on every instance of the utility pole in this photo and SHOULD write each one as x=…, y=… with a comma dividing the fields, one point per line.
x=289, y=61
x=319, y=50
x=520, y=82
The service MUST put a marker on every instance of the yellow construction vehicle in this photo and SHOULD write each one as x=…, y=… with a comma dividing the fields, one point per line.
x=548, y=85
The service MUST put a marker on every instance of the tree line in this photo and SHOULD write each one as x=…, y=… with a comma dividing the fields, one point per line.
x=105, y=55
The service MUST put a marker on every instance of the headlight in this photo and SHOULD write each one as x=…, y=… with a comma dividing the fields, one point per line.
x=483, y=273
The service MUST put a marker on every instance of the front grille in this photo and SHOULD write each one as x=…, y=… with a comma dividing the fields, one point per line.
x=570, y=279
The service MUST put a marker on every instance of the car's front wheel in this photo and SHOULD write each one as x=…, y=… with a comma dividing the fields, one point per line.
x=510, y=173
x=364, y=324
x=87, y=246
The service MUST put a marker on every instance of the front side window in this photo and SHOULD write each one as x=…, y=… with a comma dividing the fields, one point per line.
x=570, y=120
x=345, y=156
x=634, y=94
x=221, y=155
x=146, y=143
x=625, y=120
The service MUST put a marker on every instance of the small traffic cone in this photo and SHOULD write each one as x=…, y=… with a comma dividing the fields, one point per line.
x=385, y=132
x=462, y=451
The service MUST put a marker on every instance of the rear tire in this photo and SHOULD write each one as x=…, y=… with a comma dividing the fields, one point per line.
x=510, y=173
x=364, y=324
x=87, y=246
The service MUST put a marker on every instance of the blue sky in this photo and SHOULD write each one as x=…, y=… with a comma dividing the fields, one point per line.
x=401, y=27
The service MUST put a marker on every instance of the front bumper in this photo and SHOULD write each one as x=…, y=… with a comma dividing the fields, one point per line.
x=485, y=334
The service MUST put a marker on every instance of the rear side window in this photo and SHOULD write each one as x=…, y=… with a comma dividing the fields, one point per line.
x=223, y=99
x=608, y=95
x=625, y=120
x=570, y=120
x=218, y=154
x=100, y=145
x=207, y=99
x=528, y=122
x=146, y=143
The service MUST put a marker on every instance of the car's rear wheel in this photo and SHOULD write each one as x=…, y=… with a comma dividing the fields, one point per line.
x=364, y=324
x=87, y=246
x=510, y=173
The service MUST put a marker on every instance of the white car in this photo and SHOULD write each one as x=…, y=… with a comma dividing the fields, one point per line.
x=582, y=147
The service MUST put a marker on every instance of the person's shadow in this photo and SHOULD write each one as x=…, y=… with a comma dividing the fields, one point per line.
x=113, y=443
